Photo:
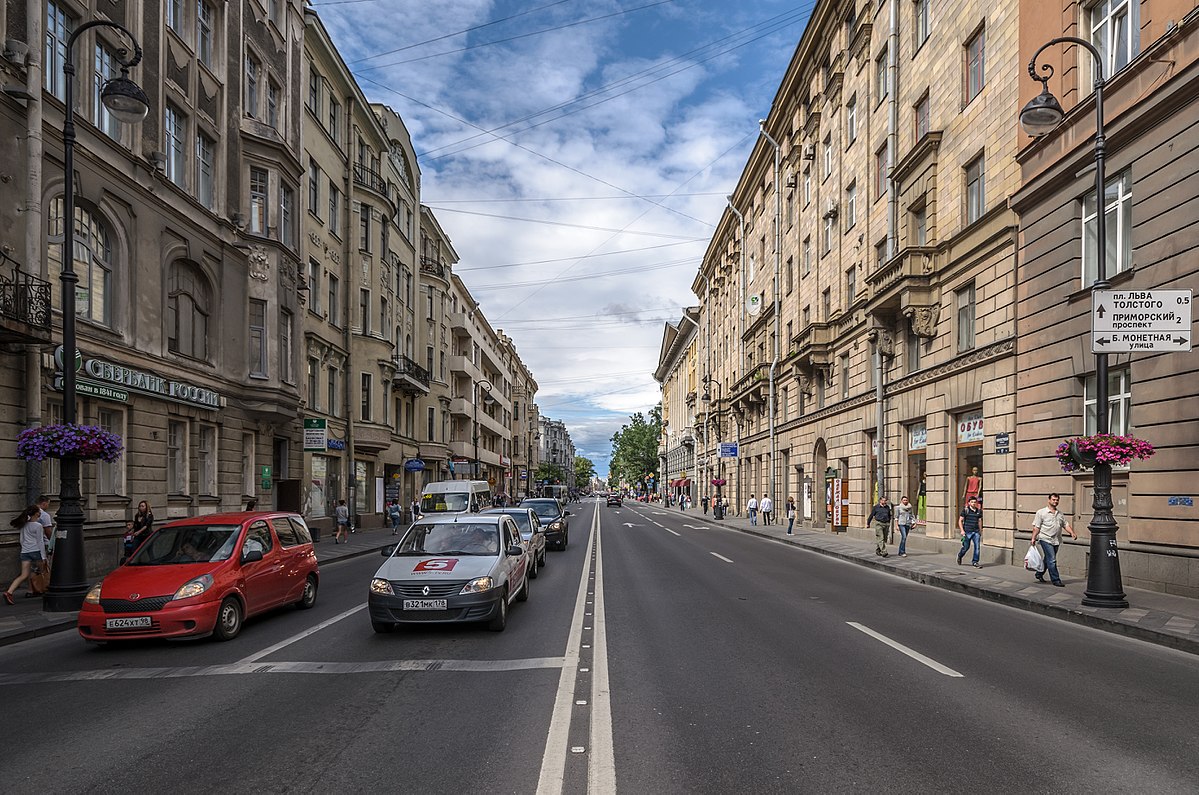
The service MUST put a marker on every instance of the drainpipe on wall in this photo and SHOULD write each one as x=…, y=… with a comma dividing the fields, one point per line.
x=347, y=316
x=778, y=245
x=740, y=323
x=880, y=433
x=34, y=234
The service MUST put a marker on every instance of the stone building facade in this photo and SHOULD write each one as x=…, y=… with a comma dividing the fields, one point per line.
x=681, y=434
x=1152, y=184
x=859, y=289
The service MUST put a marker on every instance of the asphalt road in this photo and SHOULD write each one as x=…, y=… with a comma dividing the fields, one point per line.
x=659, y=654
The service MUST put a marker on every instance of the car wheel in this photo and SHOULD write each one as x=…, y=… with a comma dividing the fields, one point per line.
x=383, y=627
x=533, y=568
x=308, y=598
x=228, y=619
x=500, y=621
x=542, y=562
x=523, y=596
x=565, y=541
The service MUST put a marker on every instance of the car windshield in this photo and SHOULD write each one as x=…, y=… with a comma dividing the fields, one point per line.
x=549, y=508
x=452, y=502
x=520, y=517
x=450, y=538
x=187, y=544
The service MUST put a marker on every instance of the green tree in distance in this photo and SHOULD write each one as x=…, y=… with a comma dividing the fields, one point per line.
x=584, y=471
x=551, y=472
x=635, y=449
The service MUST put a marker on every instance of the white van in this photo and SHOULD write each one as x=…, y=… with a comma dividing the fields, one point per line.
x=455, y=496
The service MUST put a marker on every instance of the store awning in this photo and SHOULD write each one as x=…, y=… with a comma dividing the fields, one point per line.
x=685, y=482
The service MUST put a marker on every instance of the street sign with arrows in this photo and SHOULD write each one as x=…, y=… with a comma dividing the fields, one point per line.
x=1129, y=321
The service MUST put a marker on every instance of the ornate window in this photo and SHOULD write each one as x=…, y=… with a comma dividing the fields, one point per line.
x=93, y=262
x=189, y=305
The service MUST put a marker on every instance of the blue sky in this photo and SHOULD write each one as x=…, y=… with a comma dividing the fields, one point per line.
x=578, y=153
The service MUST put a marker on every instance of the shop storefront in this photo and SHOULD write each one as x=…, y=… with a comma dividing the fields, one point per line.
x=915, y=483
x=968, y=459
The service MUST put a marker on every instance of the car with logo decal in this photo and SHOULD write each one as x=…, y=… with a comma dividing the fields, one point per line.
x=204, y=576
x=451, y=568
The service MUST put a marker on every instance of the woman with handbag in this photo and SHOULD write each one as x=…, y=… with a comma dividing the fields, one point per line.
x=33, y=548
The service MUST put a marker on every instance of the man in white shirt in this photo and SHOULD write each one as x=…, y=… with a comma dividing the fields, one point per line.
x=751, y=508
x=1047, y=528
x=767, y=509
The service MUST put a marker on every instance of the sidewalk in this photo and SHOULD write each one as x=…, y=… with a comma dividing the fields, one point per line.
x=1160, y=618
x=26, y=619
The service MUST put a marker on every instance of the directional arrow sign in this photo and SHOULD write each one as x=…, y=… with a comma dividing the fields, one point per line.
x=1128, y=321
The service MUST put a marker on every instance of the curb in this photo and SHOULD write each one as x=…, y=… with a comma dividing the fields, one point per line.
x=1070, y=614
x=37, y=632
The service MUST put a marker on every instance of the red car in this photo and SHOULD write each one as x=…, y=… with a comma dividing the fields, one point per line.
x=204, y=576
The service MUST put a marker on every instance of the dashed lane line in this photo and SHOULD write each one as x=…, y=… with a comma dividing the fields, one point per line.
x=722, y=557
x=915, y=655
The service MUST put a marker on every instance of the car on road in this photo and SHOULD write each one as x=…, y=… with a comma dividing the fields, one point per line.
x=204, y=576
x=531, y=533
x=451, y=568
x=615, y=499
x=554, y=518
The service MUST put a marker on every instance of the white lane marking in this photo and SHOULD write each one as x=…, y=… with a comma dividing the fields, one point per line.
x=915, y=655
x=553, y=760
x=601, y=765
x=311, y=630
x=722, y=557
x=667, y=529
x=238, y=668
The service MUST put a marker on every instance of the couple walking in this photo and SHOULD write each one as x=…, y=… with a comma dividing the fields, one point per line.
x=766, y=508
x=884, y=521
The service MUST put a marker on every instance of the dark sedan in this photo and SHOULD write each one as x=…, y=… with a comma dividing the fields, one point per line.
x=615, y=499
x=553, y=518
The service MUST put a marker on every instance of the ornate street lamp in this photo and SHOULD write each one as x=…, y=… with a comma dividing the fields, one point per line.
x=709, y=382
x=127, y=103
x=1039, y=117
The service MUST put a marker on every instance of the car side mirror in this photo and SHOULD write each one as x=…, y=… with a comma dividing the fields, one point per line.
x=251, y=556
x=388, y=550
x=515, y=550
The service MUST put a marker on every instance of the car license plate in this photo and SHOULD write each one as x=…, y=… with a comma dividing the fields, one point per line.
x=424, y=604
x=128, y=623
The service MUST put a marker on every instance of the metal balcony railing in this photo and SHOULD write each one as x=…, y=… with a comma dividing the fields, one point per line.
x=24, y=302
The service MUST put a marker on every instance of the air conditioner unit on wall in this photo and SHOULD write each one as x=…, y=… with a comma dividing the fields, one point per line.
x=809, y=152
x=831, y=210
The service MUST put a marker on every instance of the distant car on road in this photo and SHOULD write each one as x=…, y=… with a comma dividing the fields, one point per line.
x=614, y=499
x=553, y=518
x=450, y=568
x=204, y=576
x=531, y=533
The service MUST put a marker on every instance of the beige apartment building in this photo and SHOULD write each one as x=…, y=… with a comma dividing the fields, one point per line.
x=1152, y=204
x=677, y=375
x=186, y=248
x=858, y=295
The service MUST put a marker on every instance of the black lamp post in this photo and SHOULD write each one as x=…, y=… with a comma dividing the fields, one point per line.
x=485, y=385
x=128, y=103
x=1039, y=117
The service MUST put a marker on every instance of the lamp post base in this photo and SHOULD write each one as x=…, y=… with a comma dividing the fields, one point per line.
x=1104, y=587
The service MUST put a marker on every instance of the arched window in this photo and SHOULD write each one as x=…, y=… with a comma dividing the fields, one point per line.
x=93, y=262
x=189, y=305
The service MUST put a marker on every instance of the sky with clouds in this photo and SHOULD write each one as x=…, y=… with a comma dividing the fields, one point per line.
x=578, y=153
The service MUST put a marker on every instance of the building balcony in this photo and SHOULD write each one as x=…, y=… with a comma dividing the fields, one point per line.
x=24, y=309
x=371, y=180
x=461, y=365
x=810, y=347
x=431, y=267
x=371, y=439
x=906, y=280
x=752, y=387
x=690, y=398
x=410, y=378
x=457, y=322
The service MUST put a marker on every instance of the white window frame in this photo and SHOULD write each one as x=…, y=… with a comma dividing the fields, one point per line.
x=1102, y=18
x=177, y=457
x=207, y=458
x=205, y=170
x=174, y=133
x=851, y=119
x=106, y=67
x=1119, y=402
x=110, y=477
x=1118, y=201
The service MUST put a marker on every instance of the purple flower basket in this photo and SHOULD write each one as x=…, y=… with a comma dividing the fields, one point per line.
x=84, y=442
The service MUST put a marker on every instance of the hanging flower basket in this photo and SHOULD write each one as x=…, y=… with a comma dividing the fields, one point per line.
x=1084, y=452
x=718, y=481
x=85, y=442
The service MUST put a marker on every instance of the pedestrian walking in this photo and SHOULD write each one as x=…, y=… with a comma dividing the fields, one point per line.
x=790, y=515
x=395, y=514
x=33, y=548
x=766, y=507
x=46, y=521
x=415, y=509
x=905, y=517
x=143, y=521
x=341, y=515
x=970, y=522
x=1047, y=527
x=751, y=508
x=880, y=521
x=704, y=504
